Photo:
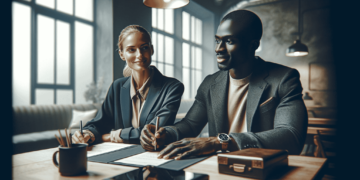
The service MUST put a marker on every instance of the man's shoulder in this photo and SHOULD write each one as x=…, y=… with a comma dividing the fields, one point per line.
x=277, y=70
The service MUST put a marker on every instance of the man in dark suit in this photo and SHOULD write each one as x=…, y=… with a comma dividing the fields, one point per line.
x=250, y=103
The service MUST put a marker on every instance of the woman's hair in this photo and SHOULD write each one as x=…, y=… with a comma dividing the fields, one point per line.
x=129, y=30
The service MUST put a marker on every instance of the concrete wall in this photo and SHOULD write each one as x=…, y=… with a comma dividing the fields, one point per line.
x=104, y=42
x=280, y=25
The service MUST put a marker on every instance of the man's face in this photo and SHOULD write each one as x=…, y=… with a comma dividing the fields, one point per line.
x=232, y=46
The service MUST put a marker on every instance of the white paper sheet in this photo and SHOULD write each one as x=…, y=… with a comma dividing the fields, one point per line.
x=106, y=147
x=145, y=159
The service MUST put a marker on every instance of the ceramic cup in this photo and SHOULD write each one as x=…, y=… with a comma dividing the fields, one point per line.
x=72, y=161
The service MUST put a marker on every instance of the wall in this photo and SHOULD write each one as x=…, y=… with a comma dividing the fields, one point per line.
x=104, y=42
x=280, y=25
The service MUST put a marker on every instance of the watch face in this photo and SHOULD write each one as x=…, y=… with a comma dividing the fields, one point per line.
x=223, y=137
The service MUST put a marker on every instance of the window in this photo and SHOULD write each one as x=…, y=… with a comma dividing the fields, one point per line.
x=53, y=51
x=163, y=40
x=191, y=54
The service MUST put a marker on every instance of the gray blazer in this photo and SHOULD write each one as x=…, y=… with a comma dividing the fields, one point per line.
x=280, y=123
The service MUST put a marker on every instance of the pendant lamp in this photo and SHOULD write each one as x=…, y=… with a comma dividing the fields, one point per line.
x=166, y=4
x=298, y=48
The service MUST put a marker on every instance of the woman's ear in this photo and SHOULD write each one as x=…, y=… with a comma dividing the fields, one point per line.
x=122, y=55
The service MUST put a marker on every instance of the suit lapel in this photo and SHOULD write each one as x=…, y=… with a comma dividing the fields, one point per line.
x=219, y=94
x=257, y=85
x=152, y=96
x=125, y=103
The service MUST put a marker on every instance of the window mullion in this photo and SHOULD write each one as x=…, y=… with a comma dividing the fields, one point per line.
x=55, y=59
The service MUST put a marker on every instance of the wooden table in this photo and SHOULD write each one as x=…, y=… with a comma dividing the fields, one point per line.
x=39, y=165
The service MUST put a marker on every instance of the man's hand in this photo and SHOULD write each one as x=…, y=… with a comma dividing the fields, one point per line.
x=190, y=147
x=106, y=137
x=78, y=138
x=147, y=137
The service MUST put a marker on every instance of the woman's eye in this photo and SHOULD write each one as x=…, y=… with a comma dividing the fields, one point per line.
x=145, y=47
x=130, y=50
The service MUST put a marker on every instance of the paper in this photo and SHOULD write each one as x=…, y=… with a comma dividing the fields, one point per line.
x=145, y=159
x=106, y=147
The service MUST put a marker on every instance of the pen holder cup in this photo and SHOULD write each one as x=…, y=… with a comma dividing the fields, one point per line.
x=72, y=161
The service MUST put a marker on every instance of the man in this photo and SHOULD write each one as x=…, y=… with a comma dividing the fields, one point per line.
x=258, y=103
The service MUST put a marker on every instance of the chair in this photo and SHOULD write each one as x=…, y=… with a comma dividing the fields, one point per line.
x=325, y=147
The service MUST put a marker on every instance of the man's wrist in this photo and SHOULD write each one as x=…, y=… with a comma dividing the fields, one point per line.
x=217, y=144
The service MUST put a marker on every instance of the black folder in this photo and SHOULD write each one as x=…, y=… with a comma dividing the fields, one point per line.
x=112, y=156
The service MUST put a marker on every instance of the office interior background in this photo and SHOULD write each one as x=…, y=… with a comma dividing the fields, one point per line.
x=65, y=51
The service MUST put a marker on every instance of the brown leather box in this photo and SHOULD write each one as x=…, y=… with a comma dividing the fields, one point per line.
x=253, y=162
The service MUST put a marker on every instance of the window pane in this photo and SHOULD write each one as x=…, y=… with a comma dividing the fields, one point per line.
x=62, y=53
x=153, y=62
x=21, y=53
x=198, y=80
x=64, y=96
x=193, y=29
x=160, y=67
x=45, y=49
x=169, y=21
x=185, y=55
x=198, y=58
x=84, y=9
x=193, y=57
x=198, y=33
x=186, y=82
x=169, y=70
x=169, y=50
x=185, y=25
x=153, y=17
x=83, y=60
x=154, y=40
x=160, y=20
x=160, y=50
x=44, y=96
x=65, y=6
x=46, y=3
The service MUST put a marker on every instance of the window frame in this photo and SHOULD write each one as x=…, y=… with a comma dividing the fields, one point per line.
x=71, y=19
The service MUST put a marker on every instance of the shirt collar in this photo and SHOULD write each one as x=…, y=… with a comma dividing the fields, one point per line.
x=144, y=89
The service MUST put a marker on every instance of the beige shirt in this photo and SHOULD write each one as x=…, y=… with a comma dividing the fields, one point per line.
x=237, y=96
x=138, y=99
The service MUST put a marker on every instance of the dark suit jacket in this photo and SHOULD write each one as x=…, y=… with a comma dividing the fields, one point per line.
x=280, y=123
x=163, y=100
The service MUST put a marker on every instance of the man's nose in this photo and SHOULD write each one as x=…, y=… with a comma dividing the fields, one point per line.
x=220, y=47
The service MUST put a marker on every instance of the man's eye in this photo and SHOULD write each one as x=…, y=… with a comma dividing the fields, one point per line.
x=229, y=41
x=217, y=41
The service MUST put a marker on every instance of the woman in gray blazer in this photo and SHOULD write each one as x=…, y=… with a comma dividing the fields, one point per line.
x=137, y=100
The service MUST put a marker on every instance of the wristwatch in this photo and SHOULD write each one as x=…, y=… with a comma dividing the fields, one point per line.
x=224, y=140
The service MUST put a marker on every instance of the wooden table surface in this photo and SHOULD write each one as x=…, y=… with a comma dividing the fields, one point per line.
x=39, y=165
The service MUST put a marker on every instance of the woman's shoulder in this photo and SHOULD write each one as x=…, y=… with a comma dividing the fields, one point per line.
x=120, y=81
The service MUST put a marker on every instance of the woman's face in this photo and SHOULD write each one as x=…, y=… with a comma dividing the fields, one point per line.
x=137, y=51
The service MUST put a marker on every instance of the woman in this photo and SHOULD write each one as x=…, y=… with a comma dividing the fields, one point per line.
x=132, y=102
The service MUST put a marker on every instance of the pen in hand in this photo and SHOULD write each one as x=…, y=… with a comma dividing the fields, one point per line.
x=156, y=129
x=81, y=128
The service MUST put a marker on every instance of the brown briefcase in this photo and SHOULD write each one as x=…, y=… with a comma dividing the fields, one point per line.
x=253, y=162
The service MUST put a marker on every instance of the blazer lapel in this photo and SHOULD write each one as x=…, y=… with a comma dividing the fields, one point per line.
x=257, y=85
x=152, y=96
x=125, y=103
x=219, y=94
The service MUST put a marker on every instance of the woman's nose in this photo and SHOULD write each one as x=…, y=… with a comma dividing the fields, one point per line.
x=138, y=53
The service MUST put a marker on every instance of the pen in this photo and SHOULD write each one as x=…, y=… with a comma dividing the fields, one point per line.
x=156, y=129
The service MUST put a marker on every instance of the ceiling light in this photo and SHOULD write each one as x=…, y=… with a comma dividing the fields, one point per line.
x=166, y=4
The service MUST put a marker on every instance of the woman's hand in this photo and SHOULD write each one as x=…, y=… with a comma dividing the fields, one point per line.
x=78, y=138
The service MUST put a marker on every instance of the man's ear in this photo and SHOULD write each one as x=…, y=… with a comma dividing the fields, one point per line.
x=152, y=49
x=255, y=44
x=122, y=55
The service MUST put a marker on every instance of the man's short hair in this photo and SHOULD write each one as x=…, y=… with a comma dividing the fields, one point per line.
x=249, y=20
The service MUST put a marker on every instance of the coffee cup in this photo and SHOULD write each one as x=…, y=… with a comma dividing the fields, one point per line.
x=72, y=160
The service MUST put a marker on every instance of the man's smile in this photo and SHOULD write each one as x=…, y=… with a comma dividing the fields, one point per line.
x=221, y=58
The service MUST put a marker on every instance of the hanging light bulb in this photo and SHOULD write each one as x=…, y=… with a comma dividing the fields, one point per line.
x=166, y=4
x=298, y=48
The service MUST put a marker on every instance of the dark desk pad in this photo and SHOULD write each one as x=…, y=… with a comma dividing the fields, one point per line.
x=109, y=157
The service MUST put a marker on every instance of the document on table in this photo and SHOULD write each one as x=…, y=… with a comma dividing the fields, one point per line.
x=106, y=147
x=145, y=159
